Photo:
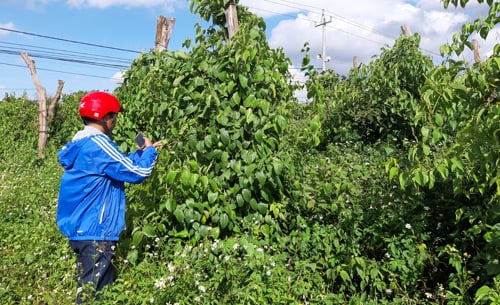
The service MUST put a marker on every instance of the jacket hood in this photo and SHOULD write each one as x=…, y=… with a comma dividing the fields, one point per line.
x=69, y=152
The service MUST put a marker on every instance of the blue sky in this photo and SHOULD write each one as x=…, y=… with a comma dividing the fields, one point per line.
x=358, y=28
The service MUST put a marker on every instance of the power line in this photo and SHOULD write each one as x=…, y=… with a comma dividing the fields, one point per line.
x=57, y=71
x=62, y=51
x=67, y=59
x=68, y=40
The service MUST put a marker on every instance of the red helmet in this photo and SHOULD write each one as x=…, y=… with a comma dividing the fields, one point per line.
x=96, y=105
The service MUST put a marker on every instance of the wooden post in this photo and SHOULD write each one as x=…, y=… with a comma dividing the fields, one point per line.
x=164, y=29
x=355, y=62
x=406, y=30
x=475, y=44
x=42, y=104
x=231, y=20
x=55, y=99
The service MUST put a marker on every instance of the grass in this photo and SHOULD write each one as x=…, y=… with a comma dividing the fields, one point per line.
x=37, y=265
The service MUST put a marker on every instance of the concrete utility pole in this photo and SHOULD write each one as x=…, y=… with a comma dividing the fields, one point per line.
x=323, y=23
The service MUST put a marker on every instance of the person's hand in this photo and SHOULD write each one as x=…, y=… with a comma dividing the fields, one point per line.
x=147, y=143
x=158, y=144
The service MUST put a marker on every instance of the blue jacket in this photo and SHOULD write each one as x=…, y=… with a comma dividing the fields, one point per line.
x=92, y=194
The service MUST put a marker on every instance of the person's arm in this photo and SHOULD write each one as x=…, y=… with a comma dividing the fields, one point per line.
x=131, y=169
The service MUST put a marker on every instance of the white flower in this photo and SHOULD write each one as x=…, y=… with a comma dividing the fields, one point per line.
x=160, y=283
x=202, y=289
x=171, y=268
x=408, y=226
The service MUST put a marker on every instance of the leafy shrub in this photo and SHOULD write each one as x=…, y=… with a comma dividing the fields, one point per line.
x=217, y=109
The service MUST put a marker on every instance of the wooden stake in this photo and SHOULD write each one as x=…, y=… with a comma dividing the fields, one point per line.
x=406, y=30
x=55, y=99
x=164, y=29
x=355, y=62
x=42, y=104
x=231, y=20
x=475, y=44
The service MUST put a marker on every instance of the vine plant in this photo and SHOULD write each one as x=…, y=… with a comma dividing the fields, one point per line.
x=217, y=108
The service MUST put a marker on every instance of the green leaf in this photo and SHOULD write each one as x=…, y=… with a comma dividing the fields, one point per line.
x=261, y=178
x=132, y=256
x=171, y=205
x=344, y=275
x=277, y=166
x=243, y=81
x=137, y=238
x=247, y=195
x=185, y=177
x=149, y=230
x=393, y=172
x=212, y=197
x=171, y=174
x=438, y=119
x=223, y=220
x=280, y=123
x=426, y=149
x=262, y=208
x=239, y=200
x=179, y=215
x=194, y=165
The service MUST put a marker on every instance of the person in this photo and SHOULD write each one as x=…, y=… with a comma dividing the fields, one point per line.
x=91, y=204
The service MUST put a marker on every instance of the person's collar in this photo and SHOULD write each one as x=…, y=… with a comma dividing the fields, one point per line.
x=87, y=131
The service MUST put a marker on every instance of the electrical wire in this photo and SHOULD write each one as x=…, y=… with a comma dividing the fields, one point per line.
x=66, y=59
x=58, y=71
x=68, y=40
x=62, y=52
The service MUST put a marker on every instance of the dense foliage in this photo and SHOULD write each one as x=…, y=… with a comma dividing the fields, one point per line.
x=384, y=189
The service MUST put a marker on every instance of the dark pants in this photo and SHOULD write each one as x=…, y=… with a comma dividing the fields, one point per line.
x=94, y=268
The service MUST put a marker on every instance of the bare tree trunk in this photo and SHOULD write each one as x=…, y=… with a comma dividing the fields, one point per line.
x=164, y=29
x=55, y=99
x=42, y=104
x=406, y=30
x=231, y=20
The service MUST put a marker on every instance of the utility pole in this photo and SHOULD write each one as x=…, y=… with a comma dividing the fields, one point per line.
x=323, y=23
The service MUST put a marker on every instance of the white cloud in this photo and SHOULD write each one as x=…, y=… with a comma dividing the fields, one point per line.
x=117, y=78
x=363, y=29
x=128, y=3
x=9, y=26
